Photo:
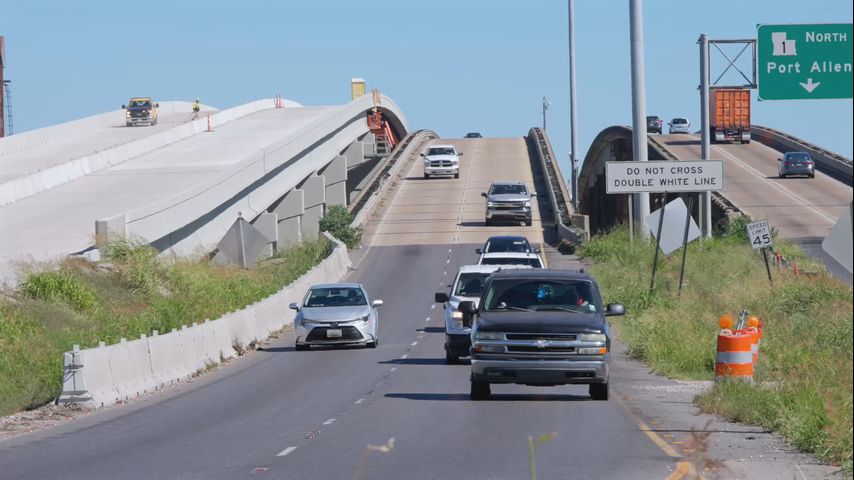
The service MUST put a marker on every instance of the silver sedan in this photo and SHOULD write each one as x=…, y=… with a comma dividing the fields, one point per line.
x=336, y=314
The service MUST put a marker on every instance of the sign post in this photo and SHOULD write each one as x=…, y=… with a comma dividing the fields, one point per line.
x=804, y=62
x=666, y=177
x=759, y=234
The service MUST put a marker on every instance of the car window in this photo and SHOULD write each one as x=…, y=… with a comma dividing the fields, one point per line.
x=441, y=151
x=335, y=297
x=541, y=295
x=508, y=189
x=470, y=284
x=679, y=121
x=800, y=156
x=508, y=245
x=530, y=262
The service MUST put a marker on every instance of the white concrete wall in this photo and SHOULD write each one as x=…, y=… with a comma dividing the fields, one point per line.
x=102, y=376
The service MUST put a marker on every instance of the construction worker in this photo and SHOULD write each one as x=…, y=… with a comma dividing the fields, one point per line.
x=196, y=108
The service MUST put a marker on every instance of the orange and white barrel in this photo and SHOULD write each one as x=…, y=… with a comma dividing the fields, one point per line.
x=734, y=358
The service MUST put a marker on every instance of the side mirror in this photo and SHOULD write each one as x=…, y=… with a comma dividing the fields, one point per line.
x=441, y=297
x=483, y=194
x=460, y=154
x=421, y=154
x=294, y=306
x=779, y=159
x=124, y=107
x=467, y=307
x=536, y=250
x=156, y=105
x=478, y=251
x=377, y=303
x=533, y=194
x=615, y=309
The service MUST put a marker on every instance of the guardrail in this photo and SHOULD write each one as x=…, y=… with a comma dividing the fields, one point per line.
x=249, y=187
x=362, y=204
x=826, y=161
x=570, y=226
x=105, y=375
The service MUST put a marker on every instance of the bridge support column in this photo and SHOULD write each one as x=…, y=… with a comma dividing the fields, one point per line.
x=336, y=181
x=314, y=196
x=290, y=211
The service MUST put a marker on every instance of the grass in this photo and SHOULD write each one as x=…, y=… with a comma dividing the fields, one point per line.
x=803, y=378
x=76, y=302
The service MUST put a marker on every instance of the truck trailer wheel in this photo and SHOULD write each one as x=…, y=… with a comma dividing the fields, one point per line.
x=599, y=391
x=479, y=390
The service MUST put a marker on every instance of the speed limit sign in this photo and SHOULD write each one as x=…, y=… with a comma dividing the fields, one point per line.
x=759, y=234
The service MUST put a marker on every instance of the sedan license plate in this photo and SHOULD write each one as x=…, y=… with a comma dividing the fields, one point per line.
x=333, y=333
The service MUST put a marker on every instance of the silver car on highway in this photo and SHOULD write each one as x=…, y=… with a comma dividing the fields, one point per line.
x=336, y=314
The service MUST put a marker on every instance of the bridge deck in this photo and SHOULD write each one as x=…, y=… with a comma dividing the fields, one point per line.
x=799, y=208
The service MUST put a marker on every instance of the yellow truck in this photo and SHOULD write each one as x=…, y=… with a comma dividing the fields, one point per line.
x=140, y=110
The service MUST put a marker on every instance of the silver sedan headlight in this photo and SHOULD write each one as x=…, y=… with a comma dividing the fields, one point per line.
x=489, y=204
x=366, y=319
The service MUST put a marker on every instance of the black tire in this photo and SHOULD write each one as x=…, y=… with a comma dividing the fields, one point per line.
x=812, y=175
x=528, y=222
x=451, y=359
x=426, y=176
x=373, y=344
x=488, y=222
x=599, y=391
x=782, y=175
x=456, y=175
x=479, y=390
x=300, y=347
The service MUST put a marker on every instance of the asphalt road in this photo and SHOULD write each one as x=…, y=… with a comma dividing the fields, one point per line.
x=303, y=415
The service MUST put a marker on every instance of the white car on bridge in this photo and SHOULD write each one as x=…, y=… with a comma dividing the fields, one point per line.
x=679, y=125
x=442, y=160
x=511, y=258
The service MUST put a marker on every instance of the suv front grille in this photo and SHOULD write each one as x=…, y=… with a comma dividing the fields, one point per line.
x=528, y=349
x=441, y=163
x=569, y=337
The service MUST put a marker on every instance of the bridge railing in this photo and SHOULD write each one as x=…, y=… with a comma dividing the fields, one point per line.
x=570, y=226
x=826, y=161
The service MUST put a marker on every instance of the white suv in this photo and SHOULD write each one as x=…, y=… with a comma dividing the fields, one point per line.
x=441, y=160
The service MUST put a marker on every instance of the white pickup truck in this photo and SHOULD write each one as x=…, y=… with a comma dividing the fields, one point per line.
x=441, y=160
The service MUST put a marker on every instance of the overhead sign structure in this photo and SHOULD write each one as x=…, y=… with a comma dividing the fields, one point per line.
x=804, y=62
x=759, y=234
x=664, y=176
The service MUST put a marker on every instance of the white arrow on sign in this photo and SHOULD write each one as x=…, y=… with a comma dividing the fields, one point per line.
x=809, y=86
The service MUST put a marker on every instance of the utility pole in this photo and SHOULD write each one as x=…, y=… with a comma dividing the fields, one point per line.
x=546, y=105
x=639, y=142
x=705, y=131
x=573, y=116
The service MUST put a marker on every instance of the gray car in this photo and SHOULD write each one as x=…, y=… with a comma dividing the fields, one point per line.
x=508, y=201
x=336, y=314
x=796, y=163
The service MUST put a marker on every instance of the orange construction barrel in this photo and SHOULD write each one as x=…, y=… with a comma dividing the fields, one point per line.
x=734, y=358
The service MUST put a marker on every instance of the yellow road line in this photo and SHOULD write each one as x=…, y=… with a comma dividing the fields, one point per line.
x=670, y=451
x=543, y=255
x=683, y=470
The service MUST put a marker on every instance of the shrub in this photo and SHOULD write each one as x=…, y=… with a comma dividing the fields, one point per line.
x=337, y=222
x=59, y=287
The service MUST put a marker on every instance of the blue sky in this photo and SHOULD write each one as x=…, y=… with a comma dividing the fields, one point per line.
x=453, y=66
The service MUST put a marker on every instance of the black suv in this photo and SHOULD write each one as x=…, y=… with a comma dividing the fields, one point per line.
x=540, y=327
x=654, y=124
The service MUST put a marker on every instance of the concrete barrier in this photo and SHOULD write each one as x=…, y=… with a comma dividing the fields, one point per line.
x=48, y=178
x=831, y=163
x=102, y=376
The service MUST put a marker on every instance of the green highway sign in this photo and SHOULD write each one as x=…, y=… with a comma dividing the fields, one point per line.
x=804, y=62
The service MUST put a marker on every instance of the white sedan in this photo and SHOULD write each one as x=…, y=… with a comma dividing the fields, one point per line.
x=336, y=314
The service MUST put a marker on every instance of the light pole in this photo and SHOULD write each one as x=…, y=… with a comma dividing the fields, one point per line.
x=573, y=117
x=639, y=142
x=546, y=105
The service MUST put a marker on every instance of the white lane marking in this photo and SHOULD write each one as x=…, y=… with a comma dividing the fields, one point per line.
x=403, y=357
x=449, y=250
x=448, y=261
x=360, y=401
x=785, y=191
x=286, y=451
x=445, y=273
x=329, y=422
x=432, y=306
x=414, y=344
x=393, y=369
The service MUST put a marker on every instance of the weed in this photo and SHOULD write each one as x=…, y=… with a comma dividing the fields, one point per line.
x=337, y=222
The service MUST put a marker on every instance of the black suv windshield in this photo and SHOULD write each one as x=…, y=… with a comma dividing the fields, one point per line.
x=508, y=189
x=335, y=297
x=140, y=104
x=440, y=151
x=508, y=245
x=470, y=284
x=541, y=295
